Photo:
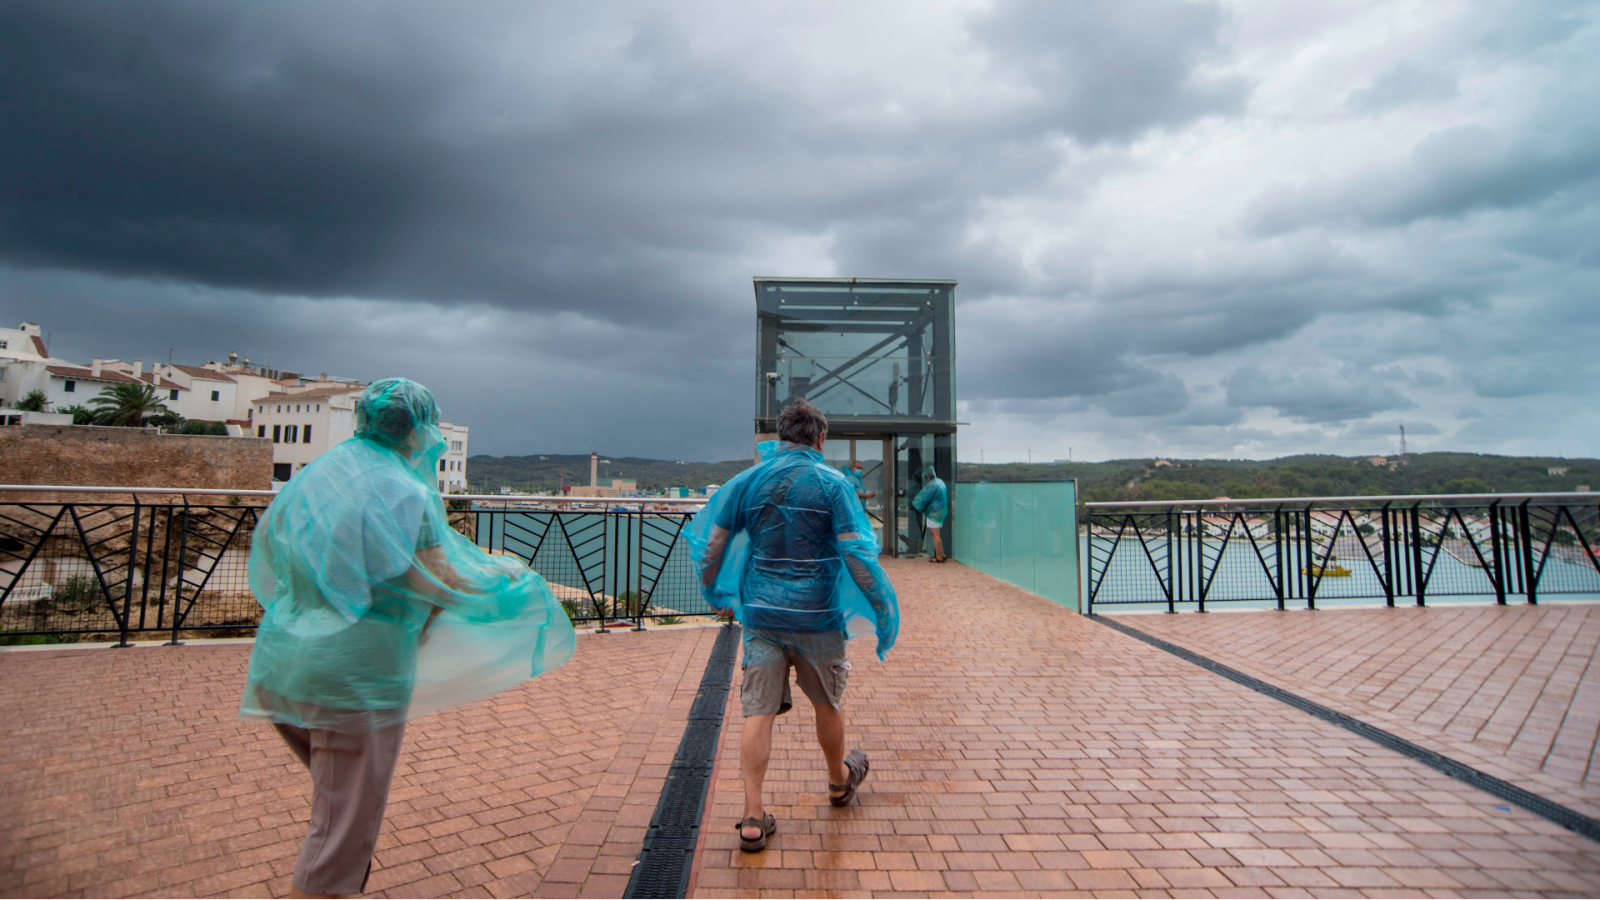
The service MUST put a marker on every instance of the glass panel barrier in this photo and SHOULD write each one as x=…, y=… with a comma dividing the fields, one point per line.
x=1023, y=533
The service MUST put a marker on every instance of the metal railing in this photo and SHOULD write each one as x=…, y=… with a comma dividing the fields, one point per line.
x=121, y=563
x=1306, y=550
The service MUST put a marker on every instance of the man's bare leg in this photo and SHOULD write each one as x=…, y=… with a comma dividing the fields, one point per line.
x=755, y=751
x=938, y=542
x=830, y=737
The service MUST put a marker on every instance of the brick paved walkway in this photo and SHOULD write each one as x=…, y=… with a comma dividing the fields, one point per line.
x=1016, y=747
x=1020, y=748
x=127, y=772
x=1513, y=690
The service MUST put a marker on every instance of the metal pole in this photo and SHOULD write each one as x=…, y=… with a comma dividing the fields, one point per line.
x=127, y=593
x=1497, y=548
x=1311, y=563
x=1530, y=576
x=1277, y=552
x=1388, y=558
x=1419, y=579
x=1174, y=520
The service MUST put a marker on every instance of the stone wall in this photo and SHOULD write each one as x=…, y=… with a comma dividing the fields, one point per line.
x=128, y=457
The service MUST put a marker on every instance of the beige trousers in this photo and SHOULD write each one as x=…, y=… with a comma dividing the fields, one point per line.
x=350, y=777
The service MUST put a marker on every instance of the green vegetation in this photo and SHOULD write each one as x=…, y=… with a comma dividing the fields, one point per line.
x=669, y=620
x=541, y=475
x=1300, y=476
x=33, y=402
x=1310, y=475
x=128, y=404
x=81, y=415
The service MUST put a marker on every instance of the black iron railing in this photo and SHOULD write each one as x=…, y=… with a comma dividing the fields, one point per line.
x=148, y=563
x=1294, y=551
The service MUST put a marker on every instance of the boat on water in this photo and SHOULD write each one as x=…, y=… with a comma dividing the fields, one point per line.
x=1331, y=569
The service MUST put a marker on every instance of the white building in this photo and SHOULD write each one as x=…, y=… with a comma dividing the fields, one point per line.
x=304, y=422
x=23, y=363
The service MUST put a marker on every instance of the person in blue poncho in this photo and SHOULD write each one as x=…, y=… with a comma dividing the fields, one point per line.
x=787, y=547
x=853, y=475
x=375, y=611
x=933, y=501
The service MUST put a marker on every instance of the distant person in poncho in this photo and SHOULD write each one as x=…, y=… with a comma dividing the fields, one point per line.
x=788, y=548
x=933, y=501
x=375, y=612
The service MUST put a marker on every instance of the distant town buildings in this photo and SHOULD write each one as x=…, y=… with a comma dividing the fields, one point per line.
x=1558, y=470
x=301, y=416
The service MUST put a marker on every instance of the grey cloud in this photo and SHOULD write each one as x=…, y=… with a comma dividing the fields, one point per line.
x=1316, y=396
x=1110, y=71
x=1402, y=84
x=1459, y=170
x=1469, y=412
x=1513, y=378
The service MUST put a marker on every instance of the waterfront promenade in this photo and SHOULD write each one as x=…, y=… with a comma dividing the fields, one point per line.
x=1017, y=748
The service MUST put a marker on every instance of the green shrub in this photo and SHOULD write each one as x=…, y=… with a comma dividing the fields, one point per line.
x=669, y=620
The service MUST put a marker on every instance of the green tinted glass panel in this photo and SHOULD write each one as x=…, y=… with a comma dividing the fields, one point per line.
x=1022, y=533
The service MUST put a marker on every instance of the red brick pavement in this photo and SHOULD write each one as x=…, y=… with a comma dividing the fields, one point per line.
x=127, y=772
x=1513, y=690
x=1018, y=748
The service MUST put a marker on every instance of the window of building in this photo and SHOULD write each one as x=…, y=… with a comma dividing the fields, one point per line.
x=441, y=465
x=280, y=408
x=71, y=387
x=2, y=345
x=215, y=396
x=261, y=431
x=172, y=394
x=319, y=407
x=282, y=471
x=277, y=434
x=305, y=436
x=291, y=434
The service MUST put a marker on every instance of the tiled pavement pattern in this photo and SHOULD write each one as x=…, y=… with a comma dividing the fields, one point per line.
x=126, y=772
x=1018, y=748
x=1512, y=690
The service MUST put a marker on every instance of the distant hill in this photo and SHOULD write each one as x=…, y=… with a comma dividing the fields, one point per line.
x=1124, y=479
x=1301, y=476
x=541, y=474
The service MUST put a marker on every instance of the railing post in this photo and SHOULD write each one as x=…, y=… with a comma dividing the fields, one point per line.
x=1174, y=519
x=127, y=593
x=1419, y=579
x=1530, y=575
x=1388, y=558
x=1496, y=546
x=1277, y=552
x=1312, y=578
x=183, y=547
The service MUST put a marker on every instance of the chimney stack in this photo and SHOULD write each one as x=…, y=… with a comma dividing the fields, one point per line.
x=138, y=369
x=594, y=470
x=94, y=367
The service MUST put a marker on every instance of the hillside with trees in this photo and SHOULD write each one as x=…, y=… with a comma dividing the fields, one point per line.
x=1301, y=476
x=1123, y=479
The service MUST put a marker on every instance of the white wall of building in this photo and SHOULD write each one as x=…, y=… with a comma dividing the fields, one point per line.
x=23, y=361
x=304, y=425
x=452, y=477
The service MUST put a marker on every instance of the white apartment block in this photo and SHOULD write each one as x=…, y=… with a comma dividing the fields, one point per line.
x=303, y=423
x=24, y=362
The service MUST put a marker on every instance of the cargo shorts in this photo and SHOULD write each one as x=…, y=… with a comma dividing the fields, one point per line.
x=819, y=661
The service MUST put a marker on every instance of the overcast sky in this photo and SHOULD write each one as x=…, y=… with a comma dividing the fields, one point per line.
x=1231, y=229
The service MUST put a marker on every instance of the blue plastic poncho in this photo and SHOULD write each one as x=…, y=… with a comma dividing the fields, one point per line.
x=786, y=546
x=857, y=487
x=375, y=611
x=933, y=499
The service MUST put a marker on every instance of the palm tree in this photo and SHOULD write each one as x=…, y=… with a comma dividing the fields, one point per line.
x=127, y=403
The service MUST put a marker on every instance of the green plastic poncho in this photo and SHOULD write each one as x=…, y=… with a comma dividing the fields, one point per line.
x=934, y=498
x=376, y=611
x=857, y=487
x=794, y=551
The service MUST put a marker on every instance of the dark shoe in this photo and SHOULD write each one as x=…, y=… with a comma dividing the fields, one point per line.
x=769, y=827
x=856, y=762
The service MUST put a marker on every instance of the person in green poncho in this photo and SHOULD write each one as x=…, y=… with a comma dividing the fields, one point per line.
x=375, y=612
x=932, y=501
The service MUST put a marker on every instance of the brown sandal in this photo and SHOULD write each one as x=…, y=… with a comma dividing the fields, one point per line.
x=856, y=762
x=768, y=827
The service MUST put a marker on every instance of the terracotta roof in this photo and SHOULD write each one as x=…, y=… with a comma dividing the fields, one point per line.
x=205, y=374
x=84, y=374
x=322, y=393
x=38, y=344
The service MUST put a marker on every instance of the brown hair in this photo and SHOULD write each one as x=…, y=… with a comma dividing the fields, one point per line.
x=802, y=423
